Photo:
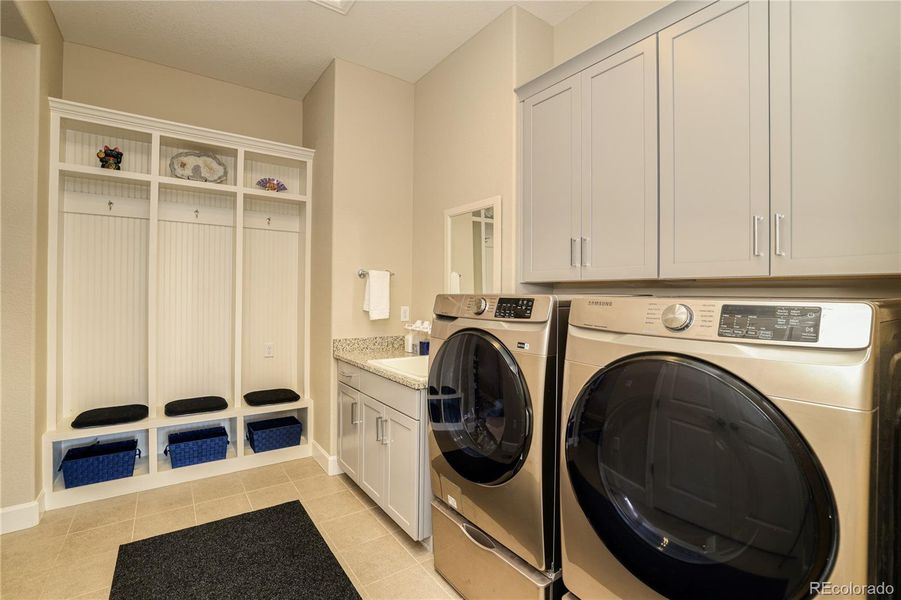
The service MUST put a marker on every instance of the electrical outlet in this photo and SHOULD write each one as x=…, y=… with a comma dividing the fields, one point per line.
x=404, y=314
x=268, y=350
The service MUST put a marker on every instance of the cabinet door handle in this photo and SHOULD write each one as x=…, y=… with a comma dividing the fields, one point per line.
x=586, y=256
x=353, y=413
x=378, y=429
x=572, y=252
x=343, y=374
x=757, y=220
x=779, y=218
x=385, y=440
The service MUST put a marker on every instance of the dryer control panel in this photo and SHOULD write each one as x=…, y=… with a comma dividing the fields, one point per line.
x=804, y=322
x=770, y=322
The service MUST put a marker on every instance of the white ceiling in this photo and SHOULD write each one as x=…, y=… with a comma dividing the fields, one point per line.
x=283, y=47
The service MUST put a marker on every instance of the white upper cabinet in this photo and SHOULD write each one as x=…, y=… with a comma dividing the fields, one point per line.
x=619, y=165
x=836, y=137
x=551, y=207
x=714, y=155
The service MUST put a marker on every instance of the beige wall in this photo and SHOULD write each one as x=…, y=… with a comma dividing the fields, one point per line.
x=373, y=195
x=18, y=218
x=319, y=134
x=137, y=86
x=360, y=122
x=596, y=22
x=465, y=141
x=29, y=74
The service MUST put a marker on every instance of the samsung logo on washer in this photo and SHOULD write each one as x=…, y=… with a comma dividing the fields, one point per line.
x=600, y=303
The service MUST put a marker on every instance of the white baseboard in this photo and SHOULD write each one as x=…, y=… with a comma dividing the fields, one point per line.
x=328, y=462
x=22, y=516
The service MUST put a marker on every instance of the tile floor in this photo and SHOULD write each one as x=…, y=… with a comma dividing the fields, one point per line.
x=72, y=552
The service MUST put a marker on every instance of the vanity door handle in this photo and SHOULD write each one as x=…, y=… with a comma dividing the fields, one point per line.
x=385, y=440
x=378, y=429
x=353, y=413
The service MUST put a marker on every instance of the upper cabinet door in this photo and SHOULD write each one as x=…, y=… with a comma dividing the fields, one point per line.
x=619, y=165
x=836, y=137
x=714, y=155
x=551, y=190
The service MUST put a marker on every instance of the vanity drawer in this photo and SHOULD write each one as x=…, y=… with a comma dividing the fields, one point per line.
x=397, y=396
x=349, y=375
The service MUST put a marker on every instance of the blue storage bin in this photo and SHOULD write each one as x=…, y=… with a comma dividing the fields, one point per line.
x=99, y=462
x=198, y=446
x=273, y=434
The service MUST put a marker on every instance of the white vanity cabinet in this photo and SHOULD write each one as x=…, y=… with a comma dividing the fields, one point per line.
x=382, y=445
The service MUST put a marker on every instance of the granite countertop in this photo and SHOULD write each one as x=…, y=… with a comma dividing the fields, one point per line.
x=359, y=351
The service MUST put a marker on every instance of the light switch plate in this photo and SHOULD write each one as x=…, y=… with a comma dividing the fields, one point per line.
x=268, y=350
x=404, y=314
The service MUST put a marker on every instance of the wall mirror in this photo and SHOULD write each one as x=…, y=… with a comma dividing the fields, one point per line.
x=472, y=248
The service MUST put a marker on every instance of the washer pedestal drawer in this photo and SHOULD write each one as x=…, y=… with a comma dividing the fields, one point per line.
x=478, y=567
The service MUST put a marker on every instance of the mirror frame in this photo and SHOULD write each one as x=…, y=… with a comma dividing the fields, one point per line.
x=494, y=202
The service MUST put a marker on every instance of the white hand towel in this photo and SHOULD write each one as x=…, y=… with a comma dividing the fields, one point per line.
x=377, y=299
x=456, y=280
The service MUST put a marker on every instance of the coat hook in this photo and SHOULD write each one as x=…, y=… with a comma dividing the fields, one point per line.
x=196, y=213
x=110, y=205
x=268, y=220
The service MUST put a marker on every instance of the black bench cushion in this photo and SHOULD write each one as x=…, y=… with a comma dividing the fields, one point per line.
x=193, y=406
x=264, y=397
x=111, y=415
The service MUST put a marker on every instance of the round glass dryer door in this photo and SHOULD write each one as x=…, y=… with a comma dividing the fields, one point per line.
x=479, y=407
x=697, y=483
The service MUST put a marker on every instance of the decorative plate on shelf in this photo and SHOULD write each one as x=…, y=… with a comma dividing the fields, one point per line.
x=272, y=184
x=198, y=166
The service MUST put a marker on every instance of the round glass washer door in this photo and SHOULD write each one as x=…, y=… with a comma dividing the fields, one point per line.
x=697, y=483
x=479, y=407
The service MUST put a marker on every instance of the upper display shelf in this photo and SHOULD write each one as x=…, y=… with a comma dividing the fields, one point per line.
x=101, y=141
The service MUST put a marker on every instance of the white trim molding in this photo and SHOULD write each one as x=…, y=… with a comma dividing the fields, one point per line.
x=22, y=516
x=328, y=462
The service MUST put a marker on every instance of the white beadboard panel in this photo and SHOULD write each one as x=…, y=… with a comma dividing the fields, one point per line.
x=169, y=147
x=195, y=206
x=113, y=189
x=195, y=316
x=293, y=173
x=104, y=312
x=258, y=205
x=270, y=313
x=81, y=141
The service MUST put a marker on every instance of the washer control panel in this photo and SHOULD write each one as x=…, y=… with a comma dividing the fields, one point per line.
x=772, y=322
x=514, y=308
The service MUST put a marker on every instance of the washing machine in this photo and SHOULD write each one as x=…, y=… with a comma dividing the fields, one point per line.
x=730, y=448
x=494, y=409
